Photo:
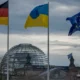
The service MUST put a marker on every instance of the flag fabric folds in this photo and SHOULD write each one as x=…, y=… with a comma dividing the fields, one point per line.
x=38, y=17
x=4, y=13
x=70, y=56
x=75, y=21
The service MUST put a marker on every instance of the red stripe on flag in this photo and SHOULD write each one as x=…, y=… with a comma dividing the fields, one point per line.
x=3, y=12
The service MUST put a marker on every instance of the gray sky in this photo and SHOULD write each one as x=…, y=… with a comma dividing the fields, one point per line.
x=60, y=43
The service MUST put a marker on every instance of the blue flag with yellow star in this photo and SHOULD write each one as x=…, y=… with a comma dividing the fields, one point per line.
x=75, y=21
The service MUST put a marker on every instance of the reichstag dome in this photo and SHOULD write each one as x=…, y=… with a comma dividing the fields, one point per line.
x=18, y=57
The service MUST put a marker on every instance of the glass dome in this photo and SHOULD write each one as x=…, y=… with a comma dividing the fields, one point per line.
x=18, y=55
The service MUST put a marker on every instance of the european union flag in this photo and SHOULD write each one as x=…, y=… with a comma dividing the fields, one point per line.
x=75, y=21
x=69, y=56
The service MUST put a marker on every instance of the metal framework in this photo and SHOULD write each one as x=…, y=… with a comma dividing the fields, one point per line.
x=18, y=54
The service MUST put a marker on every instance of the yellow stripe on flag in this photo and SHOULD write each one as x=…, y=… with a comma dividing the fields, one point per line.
x=3, y=20
x=41, y=21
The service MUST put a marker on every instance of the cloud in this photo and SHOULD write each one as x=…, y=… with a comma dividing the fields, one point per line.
x=60, y=43
x=15, y=39
x=19, y=14
x=61, y=9
x=20, y=9
x=23, y=6
x=71, y=2
x=34, y=39
x=3, y=44
x=64, y=44
x=59, y=60
x=2, y=1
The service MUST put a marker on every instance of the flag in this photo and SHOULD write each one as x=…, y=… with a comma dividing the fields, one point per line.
x=70, y=56
x=38, y=17
x=4, y=13
x=75, y=21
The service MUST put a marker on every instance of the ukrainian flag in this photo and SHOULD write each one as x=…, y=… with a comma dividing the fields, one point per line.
x=38, y=17
x=4, y=13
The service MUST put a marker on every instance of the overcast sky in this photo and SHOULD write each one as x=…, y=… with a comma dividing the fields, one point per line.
x=60, y=43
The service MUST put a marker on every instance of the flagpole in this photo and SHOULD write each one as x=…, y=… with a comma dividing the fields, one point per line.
x=8, y=45
x=48, y=73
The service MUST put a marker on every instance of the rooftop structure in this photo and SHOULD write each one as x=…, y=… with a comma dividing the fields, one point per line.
x=21, y=55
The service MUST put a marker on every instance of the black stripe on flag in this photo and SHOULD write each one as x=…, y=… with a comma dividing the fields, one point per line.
x=4, y=5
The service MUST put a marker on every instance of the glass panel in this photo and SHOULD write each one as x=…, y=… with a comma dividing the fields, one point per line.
x=28, y=47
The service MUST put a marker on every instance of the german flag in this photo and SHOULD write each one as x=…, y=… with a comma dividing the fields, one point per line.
x=4, y=13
